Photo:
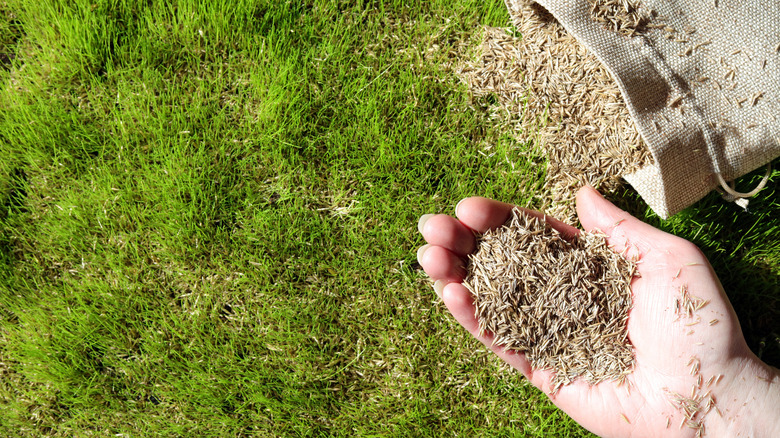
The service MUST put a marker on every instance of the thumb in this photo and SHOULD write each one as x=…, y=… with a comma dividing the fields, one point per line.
x=624, y=232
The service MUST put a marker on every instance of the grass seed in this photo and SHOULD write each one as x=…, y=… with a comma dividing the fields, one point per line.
x=549, y=85
x=563, y=303
x=621, y=16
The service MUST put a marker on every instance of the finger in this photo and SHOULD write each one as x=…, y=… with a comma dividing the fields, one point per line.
x=482, y=214
x=461, y=304
x=624, y=232
x=438, y=287
x=441, y=264
x=448, y=232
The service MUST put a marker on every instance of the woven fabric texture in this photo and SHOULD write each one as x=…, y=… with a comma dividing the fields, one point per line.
x=701, y=79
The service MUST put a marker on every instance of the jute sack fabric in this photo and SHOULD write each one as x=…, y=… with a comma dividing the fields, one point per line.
x=701, y=79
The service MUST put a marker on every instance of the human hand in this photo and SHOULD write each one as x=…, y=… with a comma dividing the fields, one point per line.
x=734, y=391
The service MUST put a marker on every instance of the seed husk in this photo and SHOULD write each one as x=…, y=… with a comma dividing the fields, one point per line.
x=621, y=16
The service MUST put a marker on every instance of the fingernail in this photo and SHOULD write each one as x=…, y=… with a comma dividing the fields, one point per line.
x=458, y=205
x=421, y=223
x=421, y=251
x=438, y=287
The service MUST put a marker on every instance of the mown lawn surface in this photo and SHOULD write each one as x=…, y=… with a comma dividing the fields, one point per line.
x=208, y=222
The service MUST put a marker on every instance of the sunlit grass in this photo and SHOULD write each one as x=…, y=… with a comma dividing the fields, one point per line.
x=208, y=222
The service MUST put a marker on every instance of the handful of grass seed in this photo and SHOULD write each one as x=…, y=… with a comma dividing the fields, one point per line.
x=564, y=303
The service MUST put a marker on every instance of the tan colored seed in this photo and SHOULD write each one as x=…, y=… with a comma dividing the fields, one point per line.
x=548, y=72
x=698, y=320
x=563, y=303
x=754, y=98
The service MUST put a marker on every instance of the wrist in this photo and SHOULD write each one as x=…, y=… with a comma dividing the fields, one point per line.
x=748, y=404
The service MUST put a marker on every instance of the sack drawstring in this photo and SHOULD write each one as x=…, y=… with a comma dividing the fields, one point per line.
x=731, y=195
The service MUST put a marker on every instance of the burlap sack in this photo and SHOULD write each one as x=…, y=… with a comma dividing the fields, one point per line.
x=701, y=79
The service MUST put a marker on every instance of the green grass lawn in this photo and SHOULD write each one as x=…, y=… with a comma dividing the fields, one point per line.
x=208, y=222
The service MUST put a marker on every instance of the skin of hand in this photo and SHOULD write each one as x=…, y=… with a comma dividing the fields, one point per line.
x=747, y=395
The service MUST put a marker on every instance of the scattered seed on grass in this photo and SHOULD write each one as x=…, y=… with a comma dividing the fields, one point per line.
x=563, y=303
x=547, y=78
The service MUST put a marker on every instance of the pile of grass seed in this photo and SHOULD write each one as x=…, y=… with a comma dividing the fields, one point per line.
x=550, y=90
x=620, y=16
x=564, y=303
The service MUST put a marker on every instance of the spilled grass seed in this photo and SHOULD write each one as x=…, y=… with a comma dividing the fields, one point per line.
x=576, y=95
x=697, y=405
x=621, y=16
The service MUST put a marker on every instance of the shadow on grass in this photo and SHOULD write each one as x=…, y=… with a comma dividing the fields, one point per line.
x=12, y=200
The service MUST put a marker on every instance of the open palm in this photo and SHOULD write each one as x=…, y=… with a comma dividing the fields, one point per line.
x=678, y=356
